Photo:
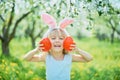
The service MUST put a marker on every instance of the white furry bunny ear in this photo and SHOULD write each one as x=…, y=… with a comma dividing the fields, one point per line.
x=64, y=23
x=48, y=19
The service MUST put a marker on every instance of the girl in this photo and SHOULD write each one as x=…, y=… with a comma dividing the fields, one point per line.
x=57, y=59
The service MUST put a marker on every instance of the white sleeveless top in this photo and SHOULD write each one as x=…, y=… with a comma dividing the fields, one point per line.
x=58, y=70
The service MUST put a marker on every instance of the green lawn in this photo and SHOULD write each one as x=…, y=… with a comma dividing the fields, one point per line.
x=105, y=64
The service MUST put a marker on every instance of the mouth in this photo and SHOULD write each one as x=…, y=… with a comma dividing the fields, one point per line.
x=57, y=46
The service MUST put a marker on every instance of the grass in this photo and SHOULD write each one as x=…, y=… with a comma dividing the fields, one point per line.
x=105, y=64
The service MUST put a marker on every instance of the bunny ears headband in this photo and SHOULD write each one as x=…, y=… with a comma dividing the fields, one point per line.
x=51, y=22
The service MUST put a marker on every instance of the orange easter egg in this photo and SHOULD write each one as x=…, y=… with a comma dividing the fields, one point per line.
x=67, y=43
x=46, y=44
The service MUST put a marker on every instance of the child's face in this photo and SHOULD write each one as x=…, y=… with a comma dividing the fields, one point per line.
x=57, y=37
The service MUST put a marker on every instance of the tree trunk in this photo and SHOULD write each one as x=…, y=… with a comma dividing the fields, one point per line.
x=5, y=48
x=112, y=36
x=33, y=42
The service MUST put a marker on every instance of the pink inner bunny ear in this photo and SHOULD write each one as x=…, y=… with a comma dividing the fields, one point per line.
x=66, y=22
x=48, y=19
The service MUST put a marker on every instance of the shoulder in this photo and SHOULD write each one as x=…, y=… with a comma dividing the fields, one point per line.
x=43, y=56
x=40, y=57
x=68, y=57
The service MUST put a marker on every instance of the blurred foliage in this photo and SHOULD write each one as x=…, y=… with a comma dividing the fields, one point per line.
x=92, y=18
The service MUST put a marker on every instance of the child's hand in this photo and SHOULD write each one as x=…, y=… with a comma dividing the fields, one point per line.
x=39, y=47
x=69, y=44
x=45, y=44
x=72, y=47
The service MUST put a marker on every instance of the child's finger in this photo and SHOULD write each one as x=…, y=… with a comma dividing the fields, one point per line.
x=72, y=48
x=72, y=45
x=41, y=48
x=40, y=45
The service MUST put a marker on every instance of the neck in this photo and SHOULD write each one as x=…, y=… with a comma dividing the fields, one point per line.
x=57, y=55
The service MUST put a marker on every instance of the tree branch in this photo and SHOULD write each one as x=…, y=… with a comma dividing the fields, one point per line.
x=113, y=26
x=41, y=31
x=2, y=18
x=33, y=27
x=11, y=16
x=117, y=31
x=31, y=31
x=16, y=24
x=10, y=19
x=1, y=38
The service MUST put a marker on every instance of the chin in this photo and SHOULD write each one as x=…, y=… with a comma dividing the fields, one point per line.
x=57, y=49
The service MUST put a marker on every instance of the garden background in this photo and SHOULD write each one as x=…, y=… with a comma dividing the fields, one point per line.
x=96, y=29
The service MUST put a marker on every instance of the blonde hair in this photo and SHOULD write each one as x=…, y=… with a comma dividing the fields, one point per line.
x=53, y=29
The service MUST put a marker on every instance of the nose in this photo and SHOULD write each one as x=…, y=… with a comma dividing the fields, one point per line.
x=57, y=39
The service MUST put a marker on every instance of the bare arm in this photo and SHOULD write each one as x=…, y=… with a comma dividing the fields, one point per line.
x=82, y=56
x=32, y=56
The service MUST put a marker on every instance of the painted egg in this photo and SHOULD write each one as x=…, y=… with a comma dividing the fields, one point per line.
x=67, y=43
x=46, y=44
